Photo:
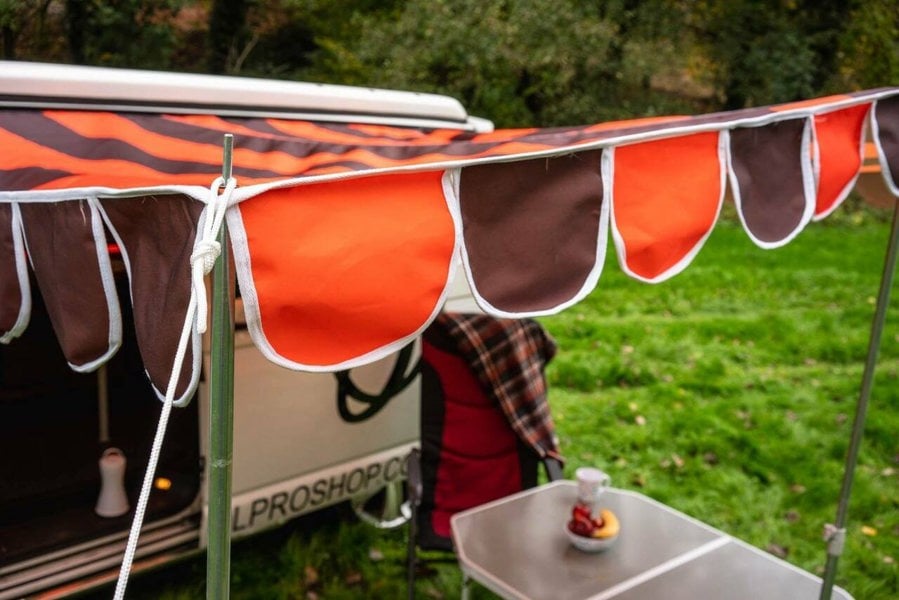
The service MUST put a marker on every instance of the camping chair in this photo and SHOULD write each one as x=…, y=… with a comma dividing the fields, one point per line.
x=485, y=423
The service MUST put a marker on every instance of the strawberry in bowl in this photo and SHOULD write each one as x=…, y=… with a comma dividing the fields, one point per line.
x=592, y=534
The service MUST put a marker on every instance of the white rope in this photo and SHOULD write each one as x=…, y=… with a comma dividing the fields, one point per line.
x=206, y=251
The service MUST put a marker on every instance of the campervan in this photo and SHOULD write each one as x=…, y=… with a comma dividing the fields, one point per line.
x=352, y=211
x=75, y=445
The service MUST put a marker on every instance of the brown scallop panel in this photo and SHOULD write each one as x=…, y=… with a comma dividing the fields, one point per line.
x=10, y=293
x=158, y=235
x=531, y=229
x=63, y=252
x=767, y=164
x=887, y=115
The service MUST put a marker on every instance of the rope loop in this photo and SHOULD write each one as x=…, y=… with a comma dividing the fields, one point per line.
x=207, y=249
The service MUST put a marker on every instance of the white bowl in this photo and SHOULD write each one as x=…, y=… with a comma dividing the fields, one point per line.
x=589, y=544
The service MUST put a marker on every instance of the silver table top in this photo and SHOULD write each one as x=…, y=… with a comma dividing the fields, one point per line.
x=517, y=547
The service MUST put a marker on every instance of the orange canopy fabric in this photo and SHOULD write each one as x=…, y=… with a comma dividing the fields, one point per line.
x=688, y=173
x=323, y=279
x=346, y=236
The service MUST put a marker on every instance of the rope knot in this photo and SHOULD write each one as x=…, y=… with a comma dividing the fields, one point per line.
x=205, y=254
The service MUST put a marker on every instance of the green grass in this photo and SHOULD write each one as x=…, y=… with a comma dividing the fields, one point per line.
x=727, y=392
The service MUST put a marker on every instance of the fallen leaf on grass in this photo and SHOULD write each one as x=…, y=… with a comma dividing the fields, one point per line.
x=310, y=575
x=792, y=516
x=375, y=555
x=353, y=578
x=434, y=593
x=797, y=488
x=889, y=560
x=869, y=531
x=777, y=550
x=640, y=420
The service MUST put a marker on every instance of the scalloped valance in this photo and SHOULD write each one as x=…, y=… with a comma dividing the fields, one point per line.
x=346, y=237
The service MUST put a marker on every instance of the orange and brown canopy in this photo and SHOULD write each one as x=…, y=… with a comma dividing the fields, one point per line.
x=346, y=236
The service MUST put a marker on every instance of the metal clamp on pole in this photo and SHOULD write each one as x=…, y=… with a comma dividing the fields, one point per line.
x=835, y=538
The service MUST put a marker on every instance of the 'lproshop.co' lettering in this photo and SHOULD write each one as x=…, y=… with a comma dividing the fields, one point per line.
x=284, y=504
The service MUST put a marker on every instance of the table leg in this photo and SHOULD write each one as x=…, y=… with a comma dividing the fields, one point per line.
x=466, y=587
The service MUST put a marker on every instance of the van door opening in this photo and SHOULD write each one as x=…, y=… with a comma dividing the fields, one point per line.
x=51, y=443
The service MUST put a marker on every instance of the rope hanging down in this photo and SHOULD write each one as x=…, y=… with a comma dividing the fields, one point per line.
x=206, y=251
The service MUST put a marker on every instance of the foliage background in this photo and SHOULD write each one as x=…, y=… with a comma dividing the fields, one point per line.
x=517, y=62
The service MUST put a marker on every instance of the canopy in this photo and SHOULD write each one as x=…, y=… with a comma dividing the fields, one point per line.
x=346, y=237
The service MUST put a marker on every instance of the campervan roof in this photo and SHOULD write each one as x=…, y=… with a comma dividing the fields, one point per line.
x=73, y=87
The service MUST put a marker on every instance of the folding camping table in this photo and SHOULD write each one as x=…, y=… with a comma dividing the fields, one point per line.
x=517, y=547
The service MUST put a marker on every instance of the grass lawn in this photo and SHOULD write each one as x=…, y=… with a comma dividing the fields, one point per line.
x=727, y=392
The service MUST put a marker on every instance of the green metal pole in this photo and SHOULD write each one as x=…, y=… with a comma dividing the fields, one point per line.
x=836, y=533
x=221, y=414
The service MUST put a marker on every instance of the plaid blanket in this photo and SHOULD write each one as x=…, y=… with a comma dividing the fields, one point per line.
x=508, y=357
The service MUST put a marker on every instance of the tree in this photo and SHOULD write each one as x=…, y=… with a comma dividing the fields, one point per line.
x=128, y=33
x=757, y=54
x=32, y=29
x=78, y=13
x=10, y=25
x=275, y=40
x=519, y=62
x=868, y=47
x=227, y=32
x=134, y=33
x=765, y=51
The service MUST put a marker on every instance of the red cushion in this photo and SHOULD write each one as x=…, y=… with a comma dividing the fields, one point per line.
x=478, y=459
